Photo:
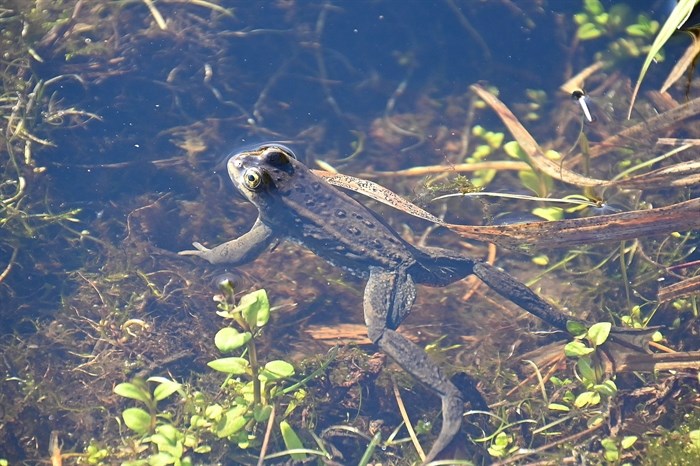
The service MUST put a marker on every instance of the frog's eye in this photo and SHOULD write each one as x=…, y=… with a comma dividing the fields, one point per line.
x=252, y=178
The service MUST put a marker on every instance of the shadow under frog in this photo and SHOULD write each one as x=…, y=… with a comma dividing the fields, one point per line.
x=295, y=204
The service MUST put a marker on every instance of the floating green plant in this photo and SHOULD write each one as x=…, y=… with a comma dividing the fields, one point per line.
x=630, y=36
x=251, y=390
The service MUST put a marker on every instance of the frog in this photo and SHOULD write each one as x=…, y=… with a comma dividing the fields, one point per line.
x=295, y=204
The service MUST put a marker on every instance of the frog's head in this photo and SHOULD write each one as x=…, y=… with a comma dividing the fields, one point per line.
x=262, y=171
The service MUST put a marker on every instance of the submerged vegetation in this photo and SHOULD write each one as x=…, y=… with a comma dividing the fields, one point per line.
x=114, y=116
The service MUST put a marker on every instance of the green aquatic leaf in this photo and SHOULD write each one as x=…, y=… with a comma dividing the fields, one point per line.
x=607, y=388
x=229, y=339
x=593, y=7
x=618, y=16
x=214, y=411
x=586, y=371
x=558, y=407
x=482, y=151
x=292, y=441
x=133, y=391
x=580, y=18
x=589, y=31
x=576, y=349
x=261, y=413
x=602, y=19
x=596, y=420
x=169, y=441
x=628, y=441
x=694, y=436
x=169, y=433
x=644, y=27
x=636, y=30
x=161, y=459
x=552, y=214
x=610, y=449
x=369, y=451
x=165, y=387
x=575, y=328
x=276, y=370
x=232, y=421
x=234, y=366
x=513, y=149
x=531, y=181
x=494, y=139
x=541, y=260
x=587, y=399
x=598, y=333
x=255, y=308
x=202, y=449
x=137, y=420
x=608, y=444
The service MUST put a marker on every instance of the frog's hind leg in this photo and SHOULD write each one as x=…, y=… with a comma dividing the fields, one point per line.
x=392, y=293
x=507, y=286
x=440, y=267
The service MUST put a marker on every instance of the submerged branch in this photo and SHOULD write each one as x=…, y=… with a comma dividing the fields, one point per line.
x=681, y=216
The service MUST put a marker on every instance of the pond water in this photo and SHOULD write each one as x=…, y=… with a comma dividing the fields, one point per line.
x=119, y=118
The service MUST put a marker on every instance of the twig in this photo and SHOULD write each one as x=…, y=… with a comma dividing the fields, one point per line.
x=266, y=440
x=406, y=420
x=554, y=360
x=8, y=268
x=55, y=449
x=94, y=287
x=457, y=168
x=320, y=62
x=156, y=14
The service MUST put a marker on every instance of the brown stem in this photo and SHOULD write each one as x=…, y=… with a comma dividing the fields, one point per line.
x=253, y=356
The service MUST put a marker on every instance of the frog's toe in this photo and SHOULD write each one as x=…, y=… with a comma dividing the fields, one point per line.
x=199, y=247
x=199, y=250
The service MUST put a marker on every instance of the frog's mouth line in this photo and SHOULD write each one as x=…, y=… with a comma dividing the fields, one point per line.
x=235, y=171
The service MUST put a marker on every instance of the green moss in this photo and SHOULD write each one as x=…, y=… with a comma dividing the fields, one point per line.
x=677, y=447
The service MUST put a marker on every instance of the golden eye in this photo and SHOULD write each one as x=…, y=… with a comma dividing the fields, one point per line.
x=252, y=178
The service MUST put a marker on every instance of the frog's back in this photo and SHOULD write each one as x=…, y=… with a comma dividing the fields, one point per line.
x=334, y=225
x=301, y=206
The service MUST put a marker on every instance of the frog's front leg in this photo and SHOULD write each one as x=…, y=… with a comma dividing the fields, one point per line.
x=391, y=293
x=237, y=251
